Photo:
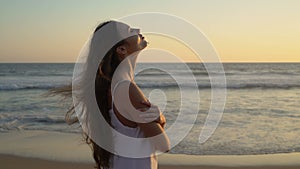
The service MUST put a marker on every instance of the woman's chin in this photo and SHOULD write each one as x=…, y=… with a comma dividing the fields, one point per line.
x=143, y=45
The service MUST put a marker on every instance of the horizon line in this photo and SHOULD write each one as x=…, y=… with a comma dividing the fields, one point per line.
x=156, y=62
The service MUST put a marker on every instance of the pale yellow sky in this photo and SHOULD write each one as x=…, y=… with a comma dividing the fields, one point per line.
x=240, y=30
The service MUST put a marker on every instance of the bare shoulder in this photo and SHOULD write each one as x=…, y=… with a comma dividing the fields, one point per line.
x=150, y=129
x=127, y=93
x=136, y=96
x=127, y=99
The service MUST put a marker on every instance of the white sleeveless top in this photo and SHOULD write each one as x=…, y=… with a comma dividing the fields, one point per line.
x=120, y=162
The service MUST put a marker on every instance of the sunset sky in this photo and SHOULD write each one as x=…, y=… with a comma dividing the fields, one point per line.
x=240, y=30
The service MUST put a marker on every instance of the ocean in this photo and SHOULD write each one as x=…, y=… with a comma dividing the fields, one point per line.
x=261, y=114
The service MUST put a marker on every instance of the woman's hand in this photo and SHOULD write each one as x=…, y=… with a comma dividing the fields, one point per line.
x=161, y=120
x=152, y=113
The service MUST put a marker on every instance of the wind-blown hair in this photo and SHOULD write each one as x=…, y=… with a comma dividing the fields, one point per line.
x=103, y=79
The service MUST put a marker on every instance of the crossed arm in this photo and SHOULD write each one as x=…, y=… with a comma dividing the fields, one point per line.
x=152, y=128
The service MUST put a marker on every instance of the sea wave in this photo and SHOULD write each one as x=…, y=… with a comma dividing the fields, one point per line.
x=229, y=86
x=163, y=85
x=226, y=73
x=14, y=121
x=29, y=121
x=8, y=87
x=30, y=118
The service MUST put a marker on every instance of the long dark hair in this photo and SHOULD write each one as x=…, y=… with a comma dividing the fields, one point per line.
x=104, y=75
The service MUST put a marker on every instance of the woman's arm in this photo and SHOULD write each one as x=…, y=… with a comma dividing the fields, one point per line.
x=150, y=129
x=131, y=104
x=152, y=113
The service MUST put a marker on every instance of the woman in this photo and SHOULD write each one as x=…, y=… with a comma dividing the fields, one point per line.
x=118, y=116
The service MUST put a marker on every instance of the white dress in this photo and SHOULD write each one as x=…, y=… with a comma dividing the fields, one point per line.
x=120, y=162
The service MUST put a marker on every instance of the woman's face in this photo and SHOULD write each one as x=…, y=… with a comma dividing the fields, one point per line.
x=132, y=44
x=135, y=43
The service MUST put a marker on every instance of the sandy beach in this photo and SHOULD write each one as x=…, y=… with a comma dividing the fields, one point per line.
x=17, y=162
x=40, y=149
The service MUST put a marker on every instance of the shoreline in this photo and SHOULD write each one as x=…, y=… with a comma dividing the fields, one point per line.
x=34, y=149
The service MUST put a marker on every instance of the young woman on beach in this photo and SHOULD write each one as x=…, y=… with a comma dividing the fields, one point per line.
x=106, y=103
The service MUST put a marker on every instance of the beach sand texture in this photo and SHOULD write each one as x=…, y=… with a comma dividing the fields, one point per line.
x=40, y=149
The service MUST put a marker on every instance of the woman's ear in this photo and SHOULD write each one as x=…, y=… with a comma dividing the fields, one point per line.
x=122, y=51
